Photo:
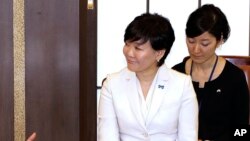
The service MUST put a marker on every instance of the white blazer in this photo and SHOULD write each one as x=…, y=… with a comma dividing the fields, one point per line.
x=173, y=115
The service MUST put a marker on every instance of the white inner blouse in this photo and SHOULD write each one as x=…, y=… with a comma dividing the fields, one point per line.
x=146, y=103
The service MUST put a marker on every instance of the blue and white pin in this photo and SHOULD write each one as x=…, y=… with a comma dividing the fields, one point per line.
x=161, y=86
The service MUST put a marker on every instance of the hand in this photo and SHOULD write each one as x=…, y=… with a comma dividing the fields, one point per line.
x=32, y=137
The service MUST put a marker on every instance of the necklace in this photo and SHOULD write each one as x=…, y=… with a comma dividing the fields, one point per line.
x=212, y=72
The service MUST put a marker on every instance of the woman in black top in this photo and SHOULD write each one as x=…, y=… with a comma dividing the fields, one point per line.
x=221, y=87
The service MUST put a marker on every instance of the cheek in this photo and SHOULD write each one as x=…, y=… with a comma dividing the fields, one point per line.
x=211, y=51
x=149, y=58
x=189, y=48
x=124, y=51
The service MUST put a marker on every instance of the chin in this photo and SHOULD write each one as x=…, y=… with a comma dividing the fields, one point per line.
x=131, y=69
x=197, y=59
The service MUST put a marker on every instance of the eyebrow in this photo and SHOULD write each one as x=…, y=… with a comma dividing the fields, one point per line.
x=140, y=42
x=205, y=40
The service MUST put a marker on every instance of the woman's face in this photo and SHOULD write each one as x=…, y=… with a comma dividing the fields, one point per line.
x=202, y=48
x=141, y=57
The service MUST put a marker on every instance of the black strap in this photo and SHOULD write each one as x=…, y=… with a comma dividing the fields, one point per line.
x=215, y=64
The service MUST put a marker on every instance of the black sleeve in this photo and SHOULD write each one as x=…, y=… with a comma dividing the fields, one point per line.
x=241, y=101
x=179, y=67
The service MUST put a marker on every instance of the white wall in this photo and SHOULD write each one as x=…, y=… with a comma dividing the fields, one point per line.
x=113, y=18
x=177, y=11
x=237, y=13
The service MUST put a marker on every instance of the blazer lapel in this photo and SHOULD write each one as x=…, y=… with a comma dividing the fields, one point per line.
x=133, y=98
x=160, y=90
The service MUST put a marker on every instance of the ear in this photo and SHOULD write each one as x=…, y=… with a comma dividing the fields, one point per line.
x=220, y=42
x=221, y=39
x=160, y=54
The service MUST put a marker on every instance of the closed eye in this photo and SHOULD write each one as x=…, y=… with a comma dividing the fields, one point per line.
x=138, y=48
x=205, y=44
x=191, y=41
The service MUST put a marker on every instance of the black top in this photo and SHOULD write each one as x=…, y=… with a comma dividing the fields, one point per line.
x=223, y=102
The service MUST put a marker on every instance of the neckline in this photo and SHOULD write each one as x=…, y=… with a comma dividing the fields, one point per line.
x=212, y=72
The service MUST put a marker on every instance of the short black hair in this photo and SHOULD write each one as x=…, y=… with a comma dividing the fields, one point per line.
x=154, y=28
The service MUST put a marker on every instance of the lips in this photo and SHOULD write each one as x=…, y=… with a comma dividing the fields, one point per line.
x=131, y=62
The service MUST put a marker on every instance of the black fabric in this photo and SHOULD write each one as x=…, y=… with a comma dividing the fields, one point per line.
x=223, y=102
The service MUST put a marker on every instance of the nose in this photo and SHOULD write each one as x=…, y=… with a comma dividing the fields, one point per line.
x=128, y=51
x=196, y=48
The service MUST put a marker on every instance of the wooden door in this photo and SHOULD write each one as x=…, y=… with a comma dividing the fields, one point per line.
x=59, y=70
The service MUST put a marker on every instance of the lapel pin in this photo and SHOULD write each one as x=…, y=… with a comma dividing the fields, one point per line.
x=161, y=86
x=218, y=91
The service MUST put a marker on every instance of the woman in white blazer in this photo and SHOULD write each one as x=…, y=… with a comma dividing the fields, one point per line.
x=146, y=101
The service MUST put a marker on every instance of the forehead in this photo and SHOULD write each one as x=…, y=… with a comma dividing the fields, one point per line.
x=139, y=42
x=204, y=36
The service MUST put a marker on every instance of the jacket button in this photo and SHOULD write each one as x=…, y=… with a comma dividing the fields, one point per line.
x=145, y=134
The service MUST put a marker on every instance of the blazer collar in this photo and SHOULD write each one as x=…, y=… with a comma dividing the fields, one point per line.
x=163, y=74
x=133, y=98
x=159, y=93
